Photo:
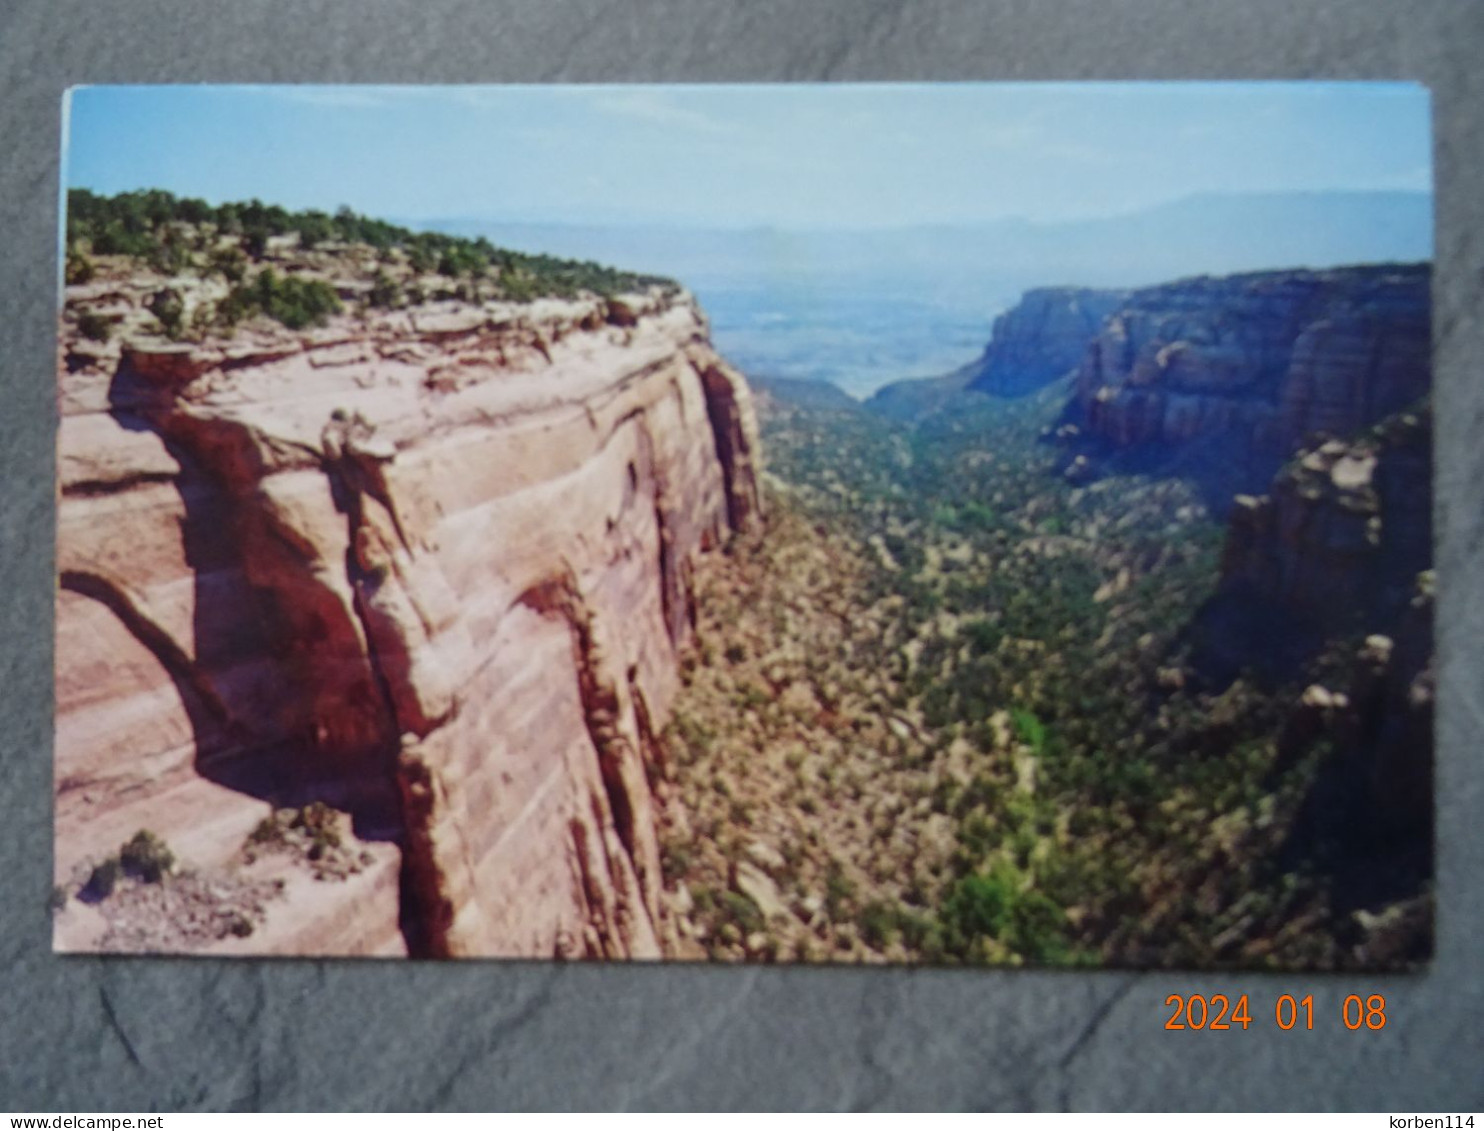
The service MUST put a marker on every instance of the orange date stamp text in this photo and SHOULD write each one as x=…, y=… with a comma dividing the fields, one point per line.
x=1221, y=1011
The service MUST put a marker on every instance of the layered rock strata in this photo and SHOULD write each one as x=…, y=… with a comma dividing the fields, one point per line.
x=1345, y=528
x=1268, y=358
x=1042, y=337
x=1342, y=544
x=430, y=567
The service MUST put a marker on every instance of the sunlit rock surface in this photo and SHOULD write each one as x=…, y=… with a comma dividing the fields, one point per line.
x=429, y=567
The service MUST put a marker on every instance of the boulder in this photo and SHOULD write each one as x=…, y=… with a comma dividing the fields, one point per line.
x=758, y=886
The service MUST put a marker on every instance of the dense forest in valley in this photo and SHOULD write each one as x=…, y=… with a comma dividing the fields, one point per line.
x=951, y=707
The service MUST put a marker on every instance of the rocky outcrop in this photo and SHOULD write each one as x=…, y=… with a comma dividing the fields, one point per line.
x=1342, y=546
x=1344, y=529
x=1040, y=338
x=430, y=568
x=1266, y=359
x=1392, y=696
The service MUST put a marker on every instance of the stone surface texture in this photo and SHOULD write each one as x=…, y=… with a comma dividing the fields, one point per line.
x=1042, y=337
x=430, y=567
x=1342, y=543
x=142, y=1034
x=1271, y=357
x=1345, y=526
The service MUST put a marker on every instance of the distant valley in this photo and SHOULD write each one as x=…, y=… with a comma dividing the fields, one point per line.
x=864, y=308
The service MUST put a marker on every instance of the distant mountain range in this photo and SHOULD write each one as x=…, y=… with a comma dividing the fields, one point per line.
x=1205, y=234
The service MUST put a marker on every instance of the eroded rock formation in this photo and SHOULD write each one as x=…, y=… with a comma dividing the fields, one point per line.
x=1345, y=527
x=1341, y=547
x=1041, y=338
x=1267, y=359
x=430, y=567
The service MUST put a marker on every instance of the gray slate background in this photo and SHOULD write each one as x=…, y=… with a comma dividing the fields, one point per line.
x=86, y=1034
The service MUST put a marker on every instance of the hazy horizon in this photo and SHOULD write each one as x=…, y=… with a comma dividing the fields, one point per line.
x=441, y=222
x=862, y=309
x=856, y=233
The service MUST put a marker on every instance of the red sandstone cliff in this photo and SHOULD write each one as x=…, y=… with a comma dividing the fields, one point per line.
x=1267, y=358
x=430, y=567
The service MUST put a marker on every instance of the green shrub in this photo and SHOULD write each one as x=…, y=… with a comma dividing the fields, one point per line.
x=920, y=933
x=878, y=924
x=113, y=238
x=1038, y=928
x=203, y=318
x=996, y=906
x=229, y=263
x=93, y=326
x=461, y=259
x=169, y=310
x=168, y=253
x=295, y=302
x=742, y=911
x=267, y=831
x=255, y=242
x=321, y=824
x=385, y=292
x=839, y=890
x=314, y=228
x=79, y=269
x=422, y=258
x=978, y=906
x=146, y=857
x=675, y=862
x=102, y=880
x=518, y=286
x=1029, y=729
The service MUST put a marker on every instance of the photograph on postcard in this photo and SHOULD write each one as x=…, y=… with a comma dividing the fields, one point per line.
x=972, y=524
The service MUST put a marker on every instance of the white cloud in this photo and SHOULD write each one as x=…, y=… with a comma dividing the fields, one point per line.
x=654, y=106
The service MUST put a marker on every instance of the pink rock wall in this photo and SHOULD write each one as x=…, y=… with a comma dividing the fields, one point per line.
x=431, y=568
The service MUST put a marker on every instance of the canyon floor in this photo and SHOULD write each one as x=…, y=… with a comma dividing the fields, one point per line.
x=944, y=707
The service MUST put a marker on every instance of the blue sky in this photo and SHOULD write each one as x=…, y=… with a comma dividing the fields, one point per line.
x=789, y=156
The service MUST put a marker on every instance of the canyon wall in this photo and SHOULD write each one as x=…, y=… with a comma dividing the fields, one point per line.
x=1267, y=358
x=1345, y=526
x=1042, y=337
x=1341, y=546
x=428, y=567
x=1315, y=386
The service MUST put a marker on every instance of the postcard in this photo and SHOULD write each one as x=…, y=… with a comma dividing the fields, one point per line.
x=979, y=524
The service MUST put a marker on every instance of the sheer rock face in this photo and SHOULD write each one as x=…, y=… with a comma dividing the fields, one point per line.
x=1343, y=542
x=1345, y=528
x=1041, y=338
x=1269, y=358
x=430, y=567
